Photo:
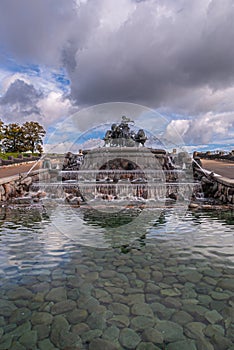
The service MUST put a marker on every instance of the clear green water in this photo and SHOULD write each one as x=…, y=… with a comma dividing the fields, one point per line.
x=160, y=282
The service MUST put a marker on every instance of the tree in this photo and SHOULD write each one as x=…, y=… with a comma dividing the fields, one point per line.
x=33, y=133
x=13, y=138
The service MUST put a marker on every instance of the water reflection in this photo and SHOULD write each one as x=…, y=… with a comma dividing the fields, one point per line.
x=25, y=243
x=104, y=219
x=22, y=216
x=141, y=274
x=226, y=216
x=33, y=236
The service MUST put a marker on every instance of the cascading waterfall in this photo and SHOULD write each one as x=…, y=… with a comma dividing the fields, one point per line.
x=128, y=174
x=86, y=186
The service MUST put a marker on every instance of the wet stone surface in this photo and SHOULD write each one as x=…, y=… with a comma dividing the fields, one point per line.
x=104, y=299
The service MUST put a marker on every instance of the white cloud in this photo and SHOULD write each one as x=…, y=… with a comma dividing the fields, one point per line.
x=204, y=129
x=25, y=97
x=61, y=148
x=54, y=106
x=176, y=130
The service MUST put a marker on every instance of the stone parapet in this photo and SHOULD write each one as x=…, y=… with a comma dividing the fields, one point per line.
x=217, y=187
x=18, y=185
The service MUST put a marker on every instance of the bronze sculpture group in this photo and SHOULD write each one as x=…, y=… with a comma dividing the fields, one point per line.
x=121, y=135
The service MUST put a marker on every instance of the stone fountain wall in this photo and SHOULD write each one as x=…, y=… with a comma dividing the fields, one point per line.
x=18, y=185
x=142, y=159
x=216, y=187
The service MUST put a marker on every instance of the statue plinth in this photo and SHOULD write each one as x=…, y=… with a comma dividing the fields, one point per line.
x=140, y=158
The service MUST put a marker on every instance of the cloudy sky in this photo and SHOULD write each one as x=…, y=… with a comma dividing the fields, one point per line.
x=58, y=57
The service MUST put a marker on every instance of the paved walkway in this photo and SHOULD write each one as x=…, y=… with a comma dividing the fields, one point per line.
x=222, y=168
x=219, y=167
x=11, y=170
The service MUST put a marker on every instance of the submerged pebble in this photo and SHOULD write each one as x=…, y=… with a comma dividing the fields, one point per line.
x=155, y=296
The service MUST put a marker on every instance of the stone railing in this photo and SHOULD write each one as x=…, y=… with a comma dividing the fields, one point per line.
x=18, y=185
x=20, y=159
x=216, y=156
x=216, y=187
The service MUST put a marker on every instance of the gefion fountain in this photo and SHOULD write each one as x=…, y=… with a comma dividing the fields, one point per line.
x=123, y=173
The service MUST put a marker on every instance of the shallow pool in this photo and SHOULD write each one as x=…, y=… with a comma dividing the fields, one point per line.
x=79, y=279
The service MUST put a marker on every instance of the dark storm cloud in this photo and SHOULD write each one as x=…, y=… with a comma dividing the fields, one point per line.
x=33, y=29
x=153, y=57
x=22, y=93
x=175, y=55
x=209, y=59
x=41, y=30
x=20, y=101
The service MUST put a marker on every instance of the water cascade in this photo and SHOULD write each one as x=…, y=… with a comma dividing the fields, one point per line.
x=121, y=171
